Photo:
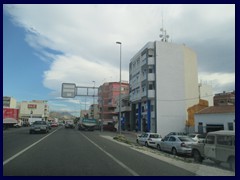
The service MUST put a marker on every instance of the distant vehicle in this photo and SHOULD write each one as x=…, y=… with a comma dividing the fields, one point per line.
x=219, y=146
x=197, y=137
x=87, y=124
x=149, y=139
x=69, y=124
x=54, y=124
x=176, y=144
x=39, y=126
x=19, y=124
x=109, y=127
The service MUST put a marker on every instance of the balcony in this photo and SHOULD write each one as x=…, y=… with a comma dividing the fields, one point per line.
x=151, y=61
x=151, y=76
x=151, y=93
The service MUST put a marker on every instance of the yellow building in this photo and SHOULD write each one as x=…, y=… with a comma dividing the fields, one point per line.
x=192, y=110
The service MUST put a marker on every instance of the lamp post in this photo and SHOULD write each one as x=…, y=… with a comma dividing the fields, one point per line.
x=93, y=98
x=119, y=123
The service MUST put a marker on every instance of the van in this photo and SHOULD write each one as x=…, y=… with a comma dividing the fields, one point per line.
x=219, y=146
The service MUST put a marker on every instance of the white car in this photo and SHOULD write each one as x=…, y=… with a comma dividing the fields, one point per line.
x=197, y=137
x=177, y=144
x=149, y=139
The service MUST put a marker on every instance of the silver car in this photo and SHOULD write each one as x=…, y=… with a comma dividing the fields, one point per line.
x=176, y=144
x=39, y=126
x=149, y=139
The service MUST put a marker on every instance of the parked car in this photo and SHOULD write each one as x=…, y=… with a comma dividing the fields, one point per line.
x=149, y=139
x=197, y=137
x=219, y=147
x=176, y=144
x=176, y=133
x=39, y=126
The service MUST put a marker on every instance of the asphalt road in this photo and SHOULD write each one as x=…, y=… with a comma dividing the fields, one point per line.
x=69, y=152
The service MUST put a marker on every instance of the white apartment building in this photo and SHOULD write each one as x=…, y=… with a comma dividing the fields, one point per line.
x=163, y=84
x=9, y=102
x=34, y=109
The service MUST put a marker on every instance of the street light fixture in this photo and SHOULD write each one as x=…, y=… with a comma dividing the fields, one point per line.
x=119, y=123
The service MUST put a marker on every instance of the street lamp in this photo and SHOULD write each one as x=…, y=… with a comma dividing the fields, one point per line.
x=119, y=123
x=93, y=97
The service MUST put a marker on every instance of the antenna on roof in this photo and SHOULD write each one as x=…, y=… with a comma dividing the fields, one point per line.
x=164, y=37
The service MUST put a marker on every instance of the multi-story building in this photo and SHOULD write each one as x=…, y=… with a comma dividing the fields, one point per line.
x=9, y=102
x=93, y=110
x=34, y=109
x=125, y=111
x=107, y=95
x=225, y=98
x=163, y=85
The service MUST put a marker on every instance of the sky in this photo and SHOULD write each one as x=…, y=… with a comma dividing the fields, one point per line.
x=47, y=45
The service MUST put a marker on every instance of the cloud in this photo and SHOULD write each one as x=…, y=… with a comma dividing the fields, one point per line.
x=78, y=41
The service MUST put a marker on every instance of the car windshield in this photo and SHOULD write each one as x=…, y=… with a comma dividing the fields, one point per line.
x=155, y=136
x=39, y=122
x=185, y=139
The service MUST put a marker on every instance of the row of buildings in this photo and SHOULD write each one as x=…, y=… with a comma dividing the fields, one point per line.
x=163, y=93
x=25, y=109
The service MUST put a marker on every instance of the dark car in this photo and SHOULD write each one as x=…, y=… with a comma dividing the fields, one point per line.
x=109, y=127
x=39, y=127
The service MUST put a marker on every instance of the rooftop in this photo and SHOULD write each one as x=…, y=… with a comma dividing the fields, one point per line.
x=217, y=109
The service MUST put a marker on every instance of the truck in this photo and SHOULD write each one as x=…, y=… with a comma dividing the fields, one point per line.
x=219, y=146
x=10, y=117
x=87, y=124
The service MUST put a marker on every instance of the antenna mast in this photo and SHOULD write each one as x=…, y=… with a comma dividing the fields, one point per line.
x=164, y=37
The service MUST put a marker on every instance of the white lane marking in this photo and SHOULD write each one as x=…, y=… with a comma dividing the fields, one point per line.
x=19, y=153
x=115, y=159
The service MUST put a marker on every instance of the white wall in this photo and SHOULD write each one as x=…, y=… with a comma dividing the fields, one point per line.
x=220, y=118
x=176, y=78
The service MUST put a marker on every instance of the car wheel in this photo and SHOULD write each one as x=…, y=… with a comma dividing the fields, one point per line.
x=159, y=147
x=232, y=164
x=174, y=151
x=137, y=141
x=196, y=156
x=146, y=144
x=30, y=132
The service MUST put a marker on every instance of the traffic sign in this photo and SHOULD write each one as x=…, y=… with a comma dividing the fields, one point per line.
x=68, y=90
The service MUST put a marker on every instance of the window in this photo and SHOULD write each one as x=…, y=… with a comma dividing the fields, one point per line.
x=230, y=126
x=172, y=139
x=210, y=140
x=224, y=140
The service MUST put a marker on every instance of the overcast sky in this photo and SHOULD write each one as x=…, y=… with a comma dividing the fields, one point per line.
x=77, y=43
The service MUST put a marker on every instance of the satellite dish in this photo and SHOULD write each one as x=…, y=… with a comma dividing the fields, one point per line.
x=161, y=29
x=167, y=36
x=160, y=36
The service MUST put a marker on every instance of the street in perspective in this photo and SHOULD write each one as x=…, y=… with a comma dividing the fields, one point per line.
x=70, y=152
x=119, y=90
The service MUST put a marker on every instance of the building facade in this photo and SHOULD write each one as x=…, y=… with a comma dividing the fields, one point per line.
x=125, y=111
x=34, y=109
x=9, y=102
x=93, y=111
x=163, y=85
x=225, y=98
x=107, y=95
x=215, y=118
